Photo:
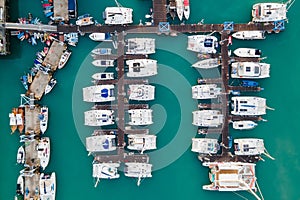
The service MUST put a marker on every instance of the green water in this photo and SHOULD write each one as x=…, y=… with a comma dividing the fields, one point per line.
x=178, y=174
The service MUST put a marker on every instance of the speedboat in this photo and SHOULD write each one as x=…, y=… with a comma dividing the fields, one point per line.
x=179, y=9
x=117, y=15
x=24, y=81
x=103, y=76
x=99, y=93
x=140, y=46
x=13, y=120
x=102, y=51
x=85, y=21
x=245, y=105
x=250, y=70
x=249, y=146
x=141, y=142
x=141, y=67
x=207, y=118
x=99, y=37
x=103, y=63
x=249, y=35
x=20, y=185
x=186, y=11
x=206, y=91
x=247, y=52
x=106, y=170
x=47, y=186
x=43, y=151
x=64, y=59
x=140, y=117
x=141, y=92
x=50, y=85
x=205, y=145
x=138, y=170
x=202, y=43
x=207, y=63
x=101, y=143
x=244, y=125
x=269, y=12
x=21, y=155
x=43, y=116
x=99, y=117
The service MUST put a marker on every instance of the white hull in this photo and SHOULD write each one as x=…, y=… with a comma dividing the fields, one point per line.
x=205, y=145
x=98, y=37
x=117, y=15
x=179, y=9
x=250, y=70
x=249, y=146
x=141, y=142
x=101, y=143
x=138, y=170
x=64, y=59
x=140, y=117
x=43, y=151
x=85, y=21
x=247, y=52
x=245, y=105
x=99, y=117
x=186, y=11
x=20, y=185
x=50, y=86
x=141, y=67
x=47, y=186
x=205, y=91
x=106, y=170
x=103, y=63
x=21, y=155
x=103, y=76
x=44, y=119
x=99, y=93
x=244, y=125
x=140, y=46
x=205, y=44
x=249, y=35
x=141, y=92
x=207, y=63
x=269, y=12
x=102, y=51
x=207, y=118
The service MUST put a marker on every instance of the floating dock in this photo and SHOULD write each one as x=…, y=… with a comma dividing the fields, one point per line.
x=32, y=122
x=39, y=84
x=54, y=54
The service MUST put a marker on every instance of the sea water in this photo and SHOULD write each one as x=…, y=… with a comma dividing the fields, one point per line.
x=178, y=173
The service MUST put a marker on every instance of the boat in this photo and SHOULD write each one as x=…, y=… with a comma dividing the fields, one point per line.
x=250, y=70
x=246, y=105
x=138, y=170
x=47, y=187
x=247, y=52
x=102, y=51
x=141, y=142
x=140, y=92
x=83, y=16
x=29, y=172
x=100, y=143
x=117, y=15
x=205, y=145
x=172, y=9
x=207, y=63
x=13, y=120
x=99, y=37
x=103, y=63
x=140, y=46
x=105, y=171
x=27, y=138
x=99, y=117
x=43, y=151
x=84, y=21
x=186, y=11
x=249, y=146
x=103, y=76
x=24, y=81
x=99, y=93
x=72, y=9
x=20, y=119
x=202, y=43
x=141, y=67
x=206, y=91
x=207, y=118
x=140, y=116
x=244, y=125
x=43, y=116
x=21, y=155
x=29, y=77
x=64, y=59
x=249, y=35
x=248, y=83
x=20, y=185
x=269, y=12
x=179, y=9
x=50, y=85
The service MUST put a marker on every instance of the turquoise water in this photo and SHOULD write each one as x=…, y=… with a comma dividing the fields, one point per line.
x=178, y=174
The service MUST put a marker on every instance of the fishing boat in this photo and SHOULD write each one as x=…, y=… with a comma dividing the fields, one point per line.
x=47, y=185
x=21, y=155
x=206, y=91
x=205, y=145
x=140, y=92
x=247, y=52
x=84, y=21
x=141, y=142
x=105, y=171
x=103, y=76
x=43, y=116
x=140, y=46
x=202, y=43
x=103, y=63
x=186, y=11
x=249, y=35
x=99, y=117
x=246, y=105
x=100, y=143
x=207, y=63
x=249, y=146
x=20, y=119
x=20, y=185
x=141, y=67
x=140, y=117
x=50, y=85
x=24, y=81
x=269, y=12
x=13, y=120
x=64, y=59
x=179, y=9
x=43, y=151
x=250, y=70
x=207, y=118
x=99, y=37
x=99, y=93
x=102, y=51
x=138, y=170
x=117, y=15
x=244, y=125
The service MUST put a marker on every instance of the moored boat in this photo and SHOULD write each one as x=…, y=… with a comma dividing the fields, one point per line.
x=205, y=91
x=64, y=58
x=141, y=142
x=244, y=125
x=141, y=92
x=20, y=185
x=247, y=52
x=117, y=15
x=85, y=21
x=138, y=170
x=24, y=81
x=207, y=118
x=179, y=9
x=43, y=116
x=205, y=145
x=99, y=117
x=140, y=46
x=50, y=85
x=186, y=11
x=47, y=186
x=103, y=63
x=21, y=155
x=99, y=37
x=269, y=12
x=20, y=119
x=250, y=70
x=99, y=93
x=247, y=105
x=13, y=120
x=202, y=44
x=249, y=146
x=140, y=117
x=102, y=51
x=103, y=76
x=100, y=143
x=43, y=151
x=141, y=67
x=249, y=35
x=207, y=63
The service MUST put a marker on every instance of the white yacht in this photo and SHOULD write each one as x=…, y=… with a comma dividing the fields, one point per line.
x=99, y=37
x=20, y=185
x=140, y=117
x=245, y=105
x=50, y=85
x=117, y=15
x=207, y=118
x=103, y=63
x=269, y=12
x=43, y=117
x=43, y=151
x=21, y=155
x=106, y=170
x=186, y=11
x=102, y=51
x=141, y=67
x=205, y=145
x=103, y=76
x=99, y=93
x=249, y=146
x=140, y=46
x=141, y=142
x=138, y=170
x=47, y=186
x=64, y=59
x=249, y=35
x=244, y=125
x=141, y=92
x=250, y=70
x=247, y=52
x=207, y=63
x=206, y=91
x=179, y=9
x=99, y=117
x=202, y=43
x=101, y=143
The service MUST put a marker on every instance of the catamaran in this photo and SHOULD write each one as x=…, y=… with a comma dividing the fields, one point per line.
x=99, y=93
x=208, y=118
x=245, y=105
x=140, y=117
x=99, y=117
x=141, y=92
x=269, y=12
x=205, y=145
x=249, y=35
x=140, y=46
x=43, y=116
x=247, y=52
x=141, y=67
x=248, y=146
x=206, y=91
x=250, y=70
x=138, y=170
x=244, y=125
x=100, y=143
x=207, y=63
x=105, y=171
x=47, y=186
x=43, y=151
x=141, y=142
x=202, y=43
x=117, y=15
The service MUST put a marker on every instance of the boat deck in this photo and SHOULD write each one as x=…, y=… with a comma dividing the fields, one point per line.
x=32, y=123
x=39, y=84
x=33, y=185
x=31, y=154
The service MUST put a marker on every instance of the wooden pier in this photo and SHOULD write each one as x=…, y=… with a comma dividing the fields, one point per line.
x=32, y=122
